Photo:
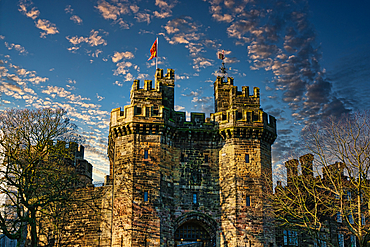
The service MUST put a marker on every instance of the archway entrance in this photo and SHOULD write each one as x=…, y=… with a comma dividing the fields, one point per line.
x=195, y=230
x=192, y=232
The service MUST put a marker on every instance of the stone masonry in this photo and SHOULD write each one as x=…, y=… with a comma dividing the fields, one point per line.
x=181, y=183
x=176, y=181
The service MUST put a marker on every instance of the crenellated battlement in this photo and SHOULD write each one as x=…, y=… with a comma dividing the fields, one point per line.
x=227, y=95
x=161, y=94
x=234, y=109
x=148, y=86
x=74, y=148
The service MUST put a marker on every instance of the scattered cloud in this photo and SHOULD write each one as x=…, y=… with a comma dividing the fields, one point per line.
x=181, y=25
x=16, y=47
x=46, y=26
x=68, y=9
x=122, y=55
x=112, y=12
x=143, y=17
x=122, y=68
x=93, y=40
x=201, y=62
x=120, y=84
x=165, y=8
x=76, y=19
x=179, y=108
x=123, y=24
x=33, y=13
x=100, y=98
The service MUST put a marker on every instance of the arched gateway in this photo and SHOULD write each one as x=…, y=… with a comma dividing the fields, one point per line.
x=195, y=227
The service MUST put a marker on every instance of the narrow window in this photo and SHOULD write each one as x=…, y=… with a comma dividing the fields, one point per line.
x=339, y=217
x=239, y=115
x=353, y=241
x=363, y=222
x=182, y=159
x=195, y=198
x=145, y=196
x=285, y=237
x=146, y=154
x=246, y=158
x=341, y=240
x=248, y=201
x=350, y=219
x=206, y=158
x=138, y=110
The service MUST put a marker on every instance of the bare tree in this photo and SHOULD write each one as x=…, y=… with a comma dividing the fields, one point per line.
x=36, y=169
x=342, y=148
x=298, y=206
x=340, y=192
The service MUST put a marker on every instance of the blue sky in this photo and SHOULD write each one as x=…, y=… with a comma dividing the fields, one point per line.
x=310, y=59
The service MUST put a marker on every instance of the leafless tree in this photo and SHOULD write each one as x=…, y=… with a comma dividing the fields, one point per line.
x=338, y=188
x=36, y=169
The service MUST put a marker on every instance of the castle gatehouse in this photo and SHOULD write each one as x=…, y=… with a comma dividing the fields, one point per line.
x=190, y=183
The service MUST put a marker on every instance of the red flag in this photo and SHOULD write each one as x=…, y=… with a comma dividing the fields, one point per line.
x=153, y=51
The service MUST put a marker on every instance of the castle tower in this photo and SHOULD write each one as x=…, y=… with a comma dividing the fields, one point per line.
x=244, y=161
x=135, y=153
x=178, y=181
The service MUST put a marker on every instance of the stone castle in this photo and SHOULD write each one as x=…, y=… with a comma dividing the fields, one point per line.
x=184, y=183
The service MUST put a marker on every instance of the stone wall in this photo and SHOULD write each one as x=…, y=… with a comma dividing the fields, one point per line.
x=167, y=172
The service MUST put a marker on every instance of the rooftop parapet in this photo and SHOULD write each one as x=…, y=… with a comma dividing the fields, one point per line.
x=75, y=148
x=244, y=117
x=307, y=164
x=227, y=95
x=142, y=112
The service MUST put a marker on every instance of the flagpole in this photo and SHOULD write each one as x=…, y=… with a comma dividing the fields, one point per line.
x=156, y=58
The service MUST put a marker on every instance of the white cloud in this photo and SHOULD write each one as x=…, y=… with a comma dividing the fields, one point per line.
x=93, y=40
x=122, y=23
x=17, y=47
x=223, y=18
x=143, y=17
x=33, y=13
x=76, y=19
x=109, y=11
x=201, y=62
x=179, y=108
x=121, y=68
x=120, y=84
x=129, y=77
x=122, y=55
x=46, y=26
x=100, y=98
x=68, y=9
x=37, y=79
x=162, y=15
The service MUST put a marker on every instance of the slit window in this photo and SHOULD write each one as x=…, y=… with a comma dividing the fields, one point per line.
x=246, y=158
x=248, y=201
x=195, y=198
x=146, y=155
x=145, y=196
x=138, y=110
x=239, y=116
x=206, y=158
